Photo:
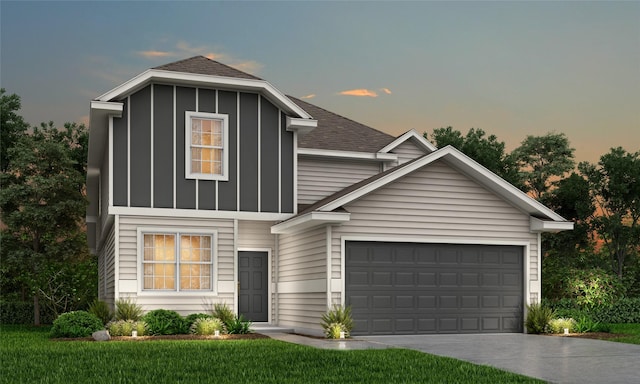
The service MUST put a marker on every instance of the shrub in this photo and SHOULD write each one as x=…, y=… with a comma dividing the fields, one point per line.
x=127, y=309
x=165, y=322
x=207, y=326
x=239, y=326
x=125, y=327
x=190, y=319
x=76, y=324
x=223, y=312
x=101, y=310
x=333, y=331
x=337, y=316
x=538, y=318
x=594, y=287
x=560, y=324
x=585, y=325
x=21, y=312
x=625, y=310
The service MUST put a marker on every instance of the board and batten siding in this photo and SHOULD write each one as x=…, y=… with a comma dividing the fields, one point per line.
x=104, y=193
x=437, y=204
x=184, y=303
x=319, y=178
x=149, y=152
x=408, y=151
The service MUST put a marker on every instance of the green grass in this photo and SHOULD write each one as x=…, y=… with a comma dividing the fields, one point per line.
x=631, y=330
x=28, y=356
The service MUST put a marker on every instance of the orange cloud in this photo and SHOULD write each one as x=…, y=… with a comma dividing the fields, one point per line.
x=153, y=54
x=386, y=90
x=309, y=96
x=359, y=92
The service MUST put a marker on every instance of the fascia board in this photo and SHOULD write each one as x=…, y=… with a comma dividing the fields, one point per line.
x=301, y=126
x=149, y=75
x=98, y=123
x=412, y=134
x=330, y=153
x=537, y=225
x=310, y=220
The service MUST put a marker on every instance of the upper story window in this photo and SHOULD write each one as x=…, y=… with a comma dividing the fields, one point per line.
x=207, y=146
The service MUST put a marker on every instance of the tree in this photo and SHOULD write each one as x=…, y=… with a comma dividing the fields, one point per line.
x=542, y=161
x=615, y=189
x=12, y=125
x=487, y=151
x=42, y=206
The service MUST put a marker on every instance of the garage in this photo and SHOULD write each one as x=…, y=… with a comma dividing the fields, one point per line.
x=420, y=288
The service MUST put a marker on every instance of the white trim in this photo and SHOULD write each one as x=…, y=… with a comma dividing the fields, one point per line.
x=152, y=162
x=177, y=231
x=351, y=155
x=217, y=197
x=276, y=276
x=328, y=261
x=259, y=183
x=538, y=225
x=110, y=149
x=269, y=278
x=108, y=106
x=211, y=81
x=236, y=293
x=302, y=286
x=189, y=174
x=129, y=151
x=411, y=134
x=295, y=172
x=237, y=152
x=202, y=214
x=295, y=124
x=197, y=179
x=309, y=220
x=175, y=150
x=280, y=161
x=116, y=259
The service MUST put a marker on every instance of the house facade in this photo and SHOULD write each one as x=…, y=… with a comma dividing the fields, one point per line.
x=207, y=184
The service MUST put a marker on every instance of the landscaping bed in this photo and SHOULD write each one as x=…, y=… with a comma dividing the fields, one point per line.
x=249, y=336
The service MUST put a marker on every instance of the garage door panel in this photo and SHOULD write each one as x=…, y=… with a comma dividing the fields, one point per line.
x=406, y=288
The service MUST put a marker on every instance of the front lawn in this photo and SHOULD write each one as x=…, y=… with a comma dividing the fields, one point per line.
x=28, y=356
x=632, y=332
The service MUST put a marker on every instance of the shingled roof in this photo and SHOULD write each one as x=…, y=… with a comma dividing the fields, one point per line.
x=339, y=133
x=204, y=66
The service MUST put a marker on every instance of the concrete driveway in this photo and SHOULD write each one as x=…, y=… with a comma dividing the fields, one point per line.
x=554, y=359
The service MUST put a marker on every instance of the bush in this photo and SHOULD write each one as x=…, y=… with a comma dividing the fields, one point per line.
x=585, y=325
x=239, y=326
x=223, y=312
x=76, y=324
x=125, y=327
x=21, y=312
x=190, y=319
x=560, y=324
x=337, y=317
x=101, y=310
x=165, y=322
x=625, y=310
x=127, y=309
x=207, y=326
x=594, y=287
x=538, y=318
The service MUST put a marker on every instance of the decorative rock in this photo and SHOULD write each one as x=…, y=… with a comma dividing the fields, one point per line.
x=101, y=335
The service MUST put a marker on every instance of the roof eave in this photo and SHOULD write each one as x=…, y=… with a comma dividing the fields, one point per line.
x=310, y=220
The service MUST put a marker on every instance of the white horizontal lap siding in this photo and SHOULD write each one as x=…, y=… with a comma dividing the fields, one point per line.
x=302, y=310
x=319, y=178
x=183, y=303
x=302, y=256
x=255, y=234
x=407, y=151
x=440, y=203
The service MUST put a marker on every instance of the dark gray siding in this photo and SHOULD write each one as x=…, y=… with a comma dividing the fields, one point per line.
x=268, y=157
x=206, y=188
x=185, y=188
x=248, y=152
x=227, y=191
x=120, y=159
x=140, y=162
x=163, y=146
x=286, y=167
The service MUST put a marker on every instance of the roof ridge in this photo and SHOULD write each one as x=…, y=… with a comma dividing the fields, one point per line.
x=203, y=65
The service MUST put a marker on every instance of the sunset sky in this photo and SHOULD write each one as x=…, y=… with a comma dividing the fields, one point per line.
x=511, y=68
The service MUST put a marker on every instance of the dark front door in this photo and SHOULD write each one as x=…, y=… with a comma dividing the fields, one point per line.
x=253, y=277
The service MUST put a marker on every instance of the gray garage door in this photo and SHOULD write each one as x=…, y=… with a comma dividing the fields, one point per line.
x=413, y=288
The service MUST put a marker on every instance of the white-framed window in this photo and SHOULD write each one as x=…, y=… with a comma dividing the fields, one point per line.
x=177, y=261
x=206, y=146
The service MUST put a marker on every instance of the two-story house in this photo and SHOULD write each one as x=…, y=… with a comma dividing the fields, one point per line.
x=207, y=184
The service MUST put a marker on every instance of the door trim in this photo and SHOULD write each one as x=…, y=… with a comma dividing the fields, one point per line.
x=269, y=281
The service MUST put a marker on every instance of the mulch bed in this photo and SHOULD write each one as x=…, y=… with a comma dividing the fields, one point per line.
x=590, y=335
x=249, y=336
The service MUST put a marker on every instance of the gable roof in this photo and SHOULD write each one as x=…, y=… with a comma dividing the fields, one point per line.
x=542, y=218
x=205, y=66
x=335, y=132
x=411, y=134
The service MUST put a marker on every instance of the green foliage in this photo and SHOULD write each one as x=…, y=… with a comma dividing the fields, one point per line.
x=165, y=322
x=101, y=310
x=126, y=327
x=12, y=126
x=207, y=326
x=542, y=159
x=127, y=309
x=560, y=324
x=76, y=324
x=21, y=312
x=624, y=310
x=190, y=319
x=223, y=312
x=593, y=287
x=538, y=318
x=338, y=316
x=335, y=330
x=238, y=326
x=28, y=356
x=585, y=324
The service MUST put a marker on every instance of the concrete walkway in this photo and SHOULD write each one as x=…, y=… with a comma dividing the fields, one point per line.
x=554, y=359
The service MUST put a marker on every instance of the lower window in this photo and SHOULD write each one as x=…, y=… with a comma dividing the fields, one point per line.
x=177, y=262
